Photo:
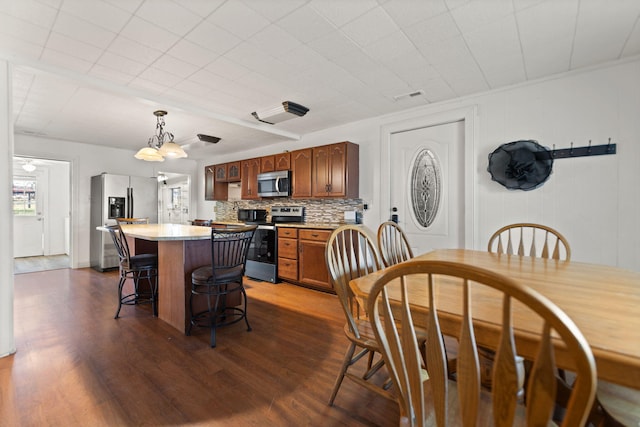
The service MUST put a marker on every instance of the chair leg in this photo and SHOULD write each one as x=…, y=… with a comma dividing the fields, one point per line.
x=246, y=319
x=346, y=362
x=120, y=286
x=213, y=317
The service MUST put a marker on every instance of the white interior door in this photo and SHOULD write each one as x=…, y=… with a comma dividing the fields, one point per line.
x=29, y=213
x=427, y=185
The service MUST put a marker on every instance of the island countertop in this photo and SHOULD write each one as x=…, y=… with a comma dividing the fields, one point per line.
x=157, y=232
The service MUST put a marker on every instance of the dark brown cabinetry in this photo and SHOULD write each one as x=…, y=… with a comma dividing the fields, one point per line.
x=312, y=269
x=216, y=179
x=249, y=183
x=301, y=173
x=335, y=170
x=288, y=254
x=233, y=172
x=209, y=182
x=267, y=164
x=301, y=255
x=282, y=161
x=327, y=171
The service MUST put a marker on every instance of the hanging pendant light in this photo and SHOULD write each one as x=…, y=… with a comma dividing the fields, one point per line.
x=160, y=145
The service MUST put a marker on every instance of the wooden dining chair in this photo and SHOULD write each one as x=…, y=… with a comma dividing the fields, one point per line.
x=393, y=244
x=427, y=396
x=352, y=253
x=529, y=239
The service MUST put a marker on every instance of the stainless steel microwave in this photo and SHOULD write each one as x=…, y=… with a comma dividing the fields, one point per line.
x=274, y=184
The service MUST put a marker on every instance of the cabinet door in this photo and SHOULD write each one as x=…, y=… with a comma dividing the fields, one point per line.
x=267, y=164
x=250, y=170
x=221, y=172
x=233, y=172
x=320, y=175
x=283, y=161
x=337, y=170
x=208, y=182
x=310, y=271
x=301, y=173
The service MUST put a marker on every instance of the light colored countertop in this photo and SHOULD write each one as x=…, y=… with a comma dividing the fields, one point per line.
x=156, y=232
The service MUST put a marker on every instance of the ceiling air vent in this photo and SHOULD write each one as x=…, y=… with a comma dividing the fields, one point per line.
x=287, y=110
x=208, y=138
x=413, y=94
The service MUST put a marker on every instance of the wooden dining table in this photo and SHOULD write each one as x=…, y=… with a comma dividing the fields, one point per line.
x=603, y=301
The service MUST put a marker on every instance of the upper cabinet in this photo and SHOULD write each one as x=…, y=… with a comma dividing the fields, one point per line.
x=250, y=169
x=267, y=164
x=233, y=172
x=282, y=161
x=217, y=179
x=301, y=173
x=335, y=170
x=220, y=172
x=327, y=171
x=209, y=182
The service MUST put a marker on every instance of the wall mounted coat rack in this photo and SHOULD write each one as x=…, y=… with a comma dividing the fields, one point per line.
x=590, y=150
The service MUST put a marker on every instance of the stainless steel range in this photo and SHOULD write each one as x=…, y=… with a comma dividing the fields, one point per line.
x=262, y=260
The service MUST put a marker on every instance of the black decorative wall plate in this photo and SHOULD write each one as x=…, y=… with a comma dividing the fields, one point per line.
x=520, y=165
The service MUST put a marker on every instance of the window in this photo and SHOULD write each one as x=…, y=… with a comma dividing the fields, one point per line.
x=24, y=196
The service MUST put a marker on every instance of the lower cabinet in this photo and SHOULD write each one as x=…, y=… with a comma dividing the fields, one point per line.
x=301, y=257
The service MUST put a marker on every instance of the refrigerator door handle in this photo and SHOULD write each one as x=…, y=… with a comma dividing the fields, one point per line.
x=130, y=202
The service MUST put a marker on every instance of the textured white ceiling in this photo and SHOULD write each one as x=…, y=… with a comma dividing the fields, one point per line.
x=94, y=71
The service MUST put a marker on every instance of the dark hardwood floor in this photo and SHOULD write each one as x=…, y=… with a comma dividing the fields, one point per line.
x=76, y=365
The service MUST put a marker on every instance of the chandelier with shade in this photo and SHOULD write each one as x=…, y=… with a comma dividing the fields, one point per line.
x=160, y=145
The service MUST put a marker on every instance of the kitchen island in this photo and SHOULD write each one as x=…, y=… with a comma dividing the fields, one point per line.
x=181, y=249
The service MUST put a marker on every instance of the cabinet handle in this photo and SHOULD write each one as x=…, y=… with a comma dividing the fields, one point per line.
x=314, y=235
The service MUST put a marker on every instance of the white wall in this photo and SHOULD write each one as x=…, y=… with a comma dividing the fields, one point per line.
x=593, y=201
x=86, y=161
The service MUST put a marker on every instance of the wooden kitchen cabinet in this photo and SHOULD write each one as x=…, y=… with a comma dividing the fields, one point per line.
x=249, y=182
x=335, y=170
x=312, y=268
x=209, y=182
x=288, y=254
x=301, y=173
x=233, y=172
x=267, y=164
x=220, y=172
x=282, y=161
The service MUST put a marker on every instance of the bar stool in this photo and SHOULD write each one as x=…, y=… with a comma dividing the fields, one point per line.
x=136, y=267
x=229, y=248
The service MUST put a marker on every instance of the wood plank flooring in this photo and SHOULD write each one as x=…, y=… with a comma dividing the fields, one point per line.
x=76, y=365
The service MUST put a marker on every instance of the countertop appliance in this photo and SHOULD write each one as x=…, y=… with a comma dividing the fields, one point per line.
x=118, y=196
x=252, y=216
x=274, y=184
x=262, y=260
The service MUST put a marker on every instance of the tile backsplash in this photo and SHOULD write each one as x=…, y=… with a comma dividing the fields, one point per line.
x=316, y=210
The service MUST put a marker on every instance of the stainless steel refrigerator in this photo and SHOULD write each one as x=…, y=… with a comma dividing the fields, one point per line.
x=117, y=196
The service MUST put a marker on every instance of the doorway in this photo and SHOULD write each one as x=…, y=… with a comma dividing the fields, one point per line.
x=174, y=198
x=41, y=214
x=445, y=140
x=426, y=185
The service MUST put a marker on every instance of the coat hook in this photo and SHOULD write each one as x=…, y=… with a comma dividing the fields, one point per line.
x=553, y=153
x=571, y=151
x=609, y=145
x=589, y=149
